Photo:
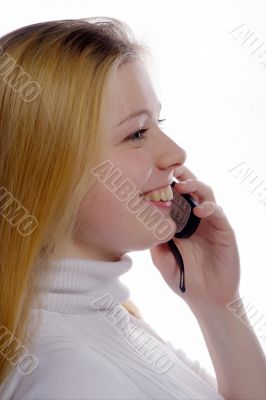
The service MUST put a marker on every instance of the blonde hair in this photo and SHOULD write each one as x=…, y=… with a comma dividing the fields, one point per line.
x=54, y=82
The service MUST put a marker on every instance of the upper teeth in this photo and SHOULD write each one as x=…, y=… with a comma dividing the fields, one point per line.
x=165, y=194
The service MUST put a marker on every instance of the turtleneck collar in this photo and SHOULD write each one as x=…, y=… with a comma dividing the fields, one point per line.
x=79, y=286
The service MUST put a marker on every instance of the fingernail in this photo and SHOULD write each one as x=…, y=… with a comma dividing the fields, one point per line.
x=178, y=171
x=202, y=207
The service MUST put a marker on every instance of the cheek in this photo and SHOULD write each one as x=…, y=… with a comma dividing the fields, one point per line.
x=101, y=206
x=95, y=213
x=135, y=165
x=101, y=217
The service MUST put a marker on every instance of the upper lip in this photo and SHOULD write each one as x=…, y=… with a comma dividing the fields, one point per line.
x=178, y=171
x=162, y=187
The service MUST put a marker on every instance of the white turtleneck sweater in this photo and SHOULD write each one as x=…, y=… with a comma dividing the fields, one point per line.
x=88, y=346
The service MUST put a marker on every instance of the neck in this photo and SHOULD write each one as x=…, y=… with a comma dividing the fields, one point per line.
x=82, y=285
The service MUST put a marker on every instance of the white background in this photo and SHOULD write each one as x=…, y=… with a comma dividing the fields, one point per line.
x=213, y=96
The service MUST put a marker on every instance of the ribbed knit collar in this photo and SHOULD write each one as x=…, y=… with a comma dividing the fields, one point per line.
x=79, y=286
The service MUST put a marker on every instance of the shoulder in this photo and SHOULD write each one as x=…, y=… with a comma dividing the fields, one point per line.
x=195, y=366
x=72, y=374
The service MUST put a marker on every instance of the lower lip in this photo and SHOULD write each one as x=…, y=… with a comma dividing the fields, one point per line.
x=160, y=204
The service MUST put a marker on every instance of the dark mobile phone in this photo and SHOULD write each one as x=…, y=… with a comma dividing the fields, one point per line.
x=186, y=224
x=182, y=213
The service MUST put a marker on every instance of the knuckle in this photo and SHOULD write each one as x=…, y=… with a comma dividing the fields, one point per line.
x=220, y=209
x=209, y=188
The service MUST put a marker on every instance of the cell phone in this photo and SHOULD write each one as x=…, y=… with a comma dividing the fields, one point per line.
x=182, y=213
x=186, y=224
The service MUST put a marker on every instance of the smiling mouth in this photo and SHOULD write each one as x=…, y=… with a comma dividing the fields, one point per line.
x=172, y=184
x=163, y=195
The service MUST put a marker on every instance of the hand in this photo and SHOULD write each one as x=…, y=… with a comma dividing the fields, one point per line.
x=210, y=255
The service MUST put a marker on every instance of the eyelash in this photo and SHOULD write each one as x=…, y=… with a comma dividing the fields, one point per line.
x=160, y=121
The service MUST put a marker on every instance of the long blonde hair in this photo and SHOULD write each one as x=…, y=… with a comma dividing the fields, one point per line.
x=54, y=82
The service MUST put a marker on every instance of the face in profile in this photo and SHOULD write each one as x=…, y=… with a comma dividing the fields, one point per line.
x=107, y=228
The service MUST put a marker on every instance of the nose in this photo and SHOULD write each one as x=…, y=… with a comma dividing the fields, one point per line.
x=168, y=154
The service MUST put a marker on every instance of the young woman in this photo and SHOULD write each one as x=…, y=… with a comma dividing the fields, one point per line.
x=79, y=130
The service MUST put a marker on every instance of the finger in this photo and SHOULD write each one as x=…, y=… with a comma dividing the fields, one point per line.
x=213, y=213
x=202, y=191
x=182, y=173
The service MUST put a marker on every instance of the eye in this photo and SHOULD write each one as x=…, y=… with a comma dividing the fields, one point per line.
x=133, y=137
x=160, y=121
x=141, y=132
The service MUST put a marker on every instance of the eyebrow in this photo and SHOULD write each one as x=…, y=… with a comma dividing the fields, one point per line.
x=137, y=113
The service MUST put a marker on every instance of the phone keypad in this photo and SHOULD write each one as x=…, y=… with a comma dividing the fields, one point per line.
x=180, y=211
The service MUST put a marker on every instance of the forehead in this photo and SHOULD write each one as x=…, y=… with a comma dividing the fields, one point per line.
x=131, y=89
